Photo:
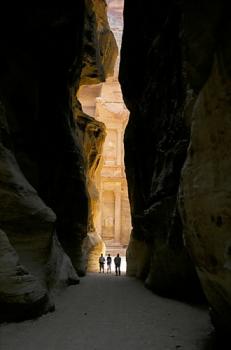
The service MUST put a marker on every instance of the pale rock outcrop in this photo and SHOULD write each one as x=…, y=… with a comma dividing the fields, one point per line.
x=93, y=246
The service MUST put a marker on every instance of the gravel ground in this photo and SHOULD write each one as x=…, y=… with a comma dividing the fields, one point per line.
x=111, y=312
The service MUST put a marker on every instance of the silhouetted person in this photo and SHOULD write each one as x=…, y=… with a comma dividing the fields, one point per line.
x=108, y=263
x=117, y=261
x=101, y=263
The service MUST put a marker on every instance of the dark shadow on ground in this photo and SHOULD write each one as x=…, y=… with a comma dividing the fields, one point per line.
x=213, y=342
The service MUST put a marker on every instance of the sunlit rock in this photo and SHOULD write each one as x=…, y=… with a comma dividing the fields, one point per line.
x=93, y=247
x=100, y=49
x=44, y=199
x=92, y=133
x=104, y=102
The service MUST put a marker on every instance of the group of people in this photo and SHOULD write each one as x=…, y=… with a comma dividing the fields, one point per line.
x=117, y=262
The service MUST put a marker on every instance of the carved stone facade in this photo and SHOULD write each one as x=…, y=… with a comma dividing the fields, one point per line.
x=114, y=221
x=105, y=103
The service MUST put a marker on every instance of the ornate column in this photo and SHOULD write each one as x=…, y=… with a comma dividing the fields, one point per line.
x=119, y=147
x=117, y=214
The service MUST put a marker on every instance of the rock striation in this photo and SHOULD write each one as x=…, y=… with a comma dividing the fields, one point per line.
x=44, y=196
x=205, y=185
x=100, y=48
x=156, y=141
x=176, y=148
x=31, y=258
x=92, y=133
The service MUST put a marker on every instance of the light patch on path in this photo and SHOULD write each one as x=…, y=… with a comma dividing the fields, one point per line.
x=108, y=312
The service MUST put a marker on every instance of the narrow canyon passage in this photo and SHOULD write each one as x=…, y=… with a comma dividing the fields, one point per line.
x=107, y=149
x=110, y=312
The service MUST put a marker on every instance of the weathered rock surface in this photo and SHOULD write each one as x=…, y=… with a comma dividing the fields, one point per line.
x=21, y=293
x=180, y=98
x=138, y=258
x=156, y=141
x=44, y=187
x=93, y=246
x=100, y=53
x=27, y=227
x=100, y=48
x=93, y=134
x=205, y=187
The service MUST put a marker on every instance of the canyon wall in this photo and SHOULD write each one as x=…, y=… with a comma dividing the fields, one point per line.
x=44, y=197
x=93, y=133
x=156, y=141
x=100, y=52
x=205, y=189
x=175, y=77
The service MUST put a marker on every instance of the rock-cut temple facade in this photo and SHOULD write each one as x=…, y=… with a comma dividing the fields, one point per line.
x=104, y=102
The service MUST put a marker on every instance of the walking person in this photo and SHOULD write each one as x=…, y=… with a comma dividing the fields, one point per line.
x=117, y=261
x=108, y=263
x=101, y=263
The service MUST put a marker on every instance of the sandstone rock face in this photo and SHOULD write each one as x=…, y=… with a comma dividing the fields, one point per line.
x=100, y=53
x=205, y=186
x=138, y=258
x=92, y=136
x=180, y=119
x=20, y=292
x=100, y=49
x=43, y=177
x=156, y=141
x=105, y=103
x=27, y=227
x=93, y=246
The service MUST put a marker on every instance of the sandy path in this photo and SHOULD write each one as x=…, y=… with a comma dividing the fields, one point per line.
x=110, y=312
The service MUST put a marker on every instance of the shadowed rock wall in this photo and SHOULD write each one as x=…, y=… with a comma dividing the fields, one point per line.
x=156, y=142
x=179, y=106
x=205, y=185
x=44, y=199
x=40, y=56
